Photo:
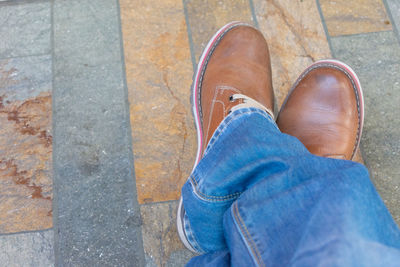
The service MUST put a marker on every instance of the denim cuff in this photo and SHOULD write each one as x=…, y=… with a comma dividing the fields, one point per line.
x=235, y=115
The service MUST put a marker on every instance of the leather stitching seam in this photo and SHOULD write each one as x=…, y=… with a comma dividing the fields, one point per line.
x=216, y=93
x=216, y=42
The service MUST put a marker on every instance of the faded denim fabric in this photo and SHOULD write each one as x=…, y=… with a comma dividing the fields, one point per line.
x=259, y=198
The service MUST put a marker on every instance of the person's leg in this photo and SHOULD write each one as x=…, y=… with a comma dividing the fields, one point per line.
x=308, y=218
x=295, y=209
x=233, y=72
x=248, y=157
x=281, y=204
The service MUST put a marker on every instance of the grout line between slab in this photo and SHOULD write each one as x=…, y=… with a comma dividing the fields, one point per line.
x=359, y=34
x=253, y=14
x=189, y=33
x=31, y=55
x=54, y=139
x=21, y=2
x=127, y=114
x=160, y=202
x=26, y=232
x=394, y=26
x=328, y=37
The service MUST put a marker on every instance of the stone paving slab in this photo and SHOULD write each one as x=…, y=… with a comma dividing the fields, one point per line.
x=96, y=214
x=376, y=59
x=25, y=29
x=25, y=144
x=345, y=17
x=394, y=10
x=206, y=17
x=29, y=249
x=295, y=36
x=160, y=238
x=159, y=72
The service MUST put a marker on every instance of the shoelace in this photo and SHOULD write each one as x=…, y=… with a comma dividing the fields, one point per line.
x=248, y=103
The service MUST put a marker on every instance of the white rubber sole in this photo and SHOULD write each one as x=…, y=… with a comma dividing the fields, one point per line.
x=357, y=83
x=196, y=113
x=180, y=227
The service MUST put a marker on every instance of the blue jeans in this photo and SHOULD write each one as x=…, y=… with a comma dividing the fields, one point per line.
x=258, y=197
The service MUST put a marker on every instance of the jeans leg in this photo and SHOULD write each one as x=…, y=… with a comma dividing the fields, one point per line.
x=246, y=147
x=292, y=205
x=326, y=219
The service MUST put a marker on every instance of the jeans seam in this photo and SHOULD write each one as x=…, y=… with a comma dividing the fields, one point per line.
x=212, y=198
x=246, y=235
x=191, y=238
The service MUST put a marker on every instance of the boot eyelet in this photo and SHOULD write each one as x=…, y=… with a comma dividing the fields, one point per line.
x=231, y=98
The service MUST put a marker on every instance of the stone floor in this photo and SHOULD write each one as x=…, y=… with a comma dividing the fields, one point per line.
x=96, y=130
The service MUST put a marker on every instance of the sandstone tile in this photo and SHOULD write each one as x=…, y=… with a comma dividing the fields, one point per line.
x=25, y=29
x=160, y=238
x=159, y=72
x=344, y=17
x=27, y=249
x=25, y=144
x=295, y=36
x=206, y=17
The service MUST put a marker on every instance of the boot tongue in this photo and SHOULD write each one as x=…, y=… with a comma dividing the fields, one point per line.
x=247, y=102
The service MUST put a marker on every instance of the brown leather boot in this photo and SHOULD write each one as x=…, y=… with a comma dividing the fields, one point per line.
x=234, y=64
x=325, y=110
x=234, y=71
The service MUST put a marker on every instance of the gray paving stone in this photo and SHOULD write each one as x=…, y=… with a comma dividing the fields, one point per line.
x=160, y=237
x=394, y=11
x=25, y=29
x=27, y=249
x=179, y=258
x=25, y=77
x=96, y=214
x=376, y=59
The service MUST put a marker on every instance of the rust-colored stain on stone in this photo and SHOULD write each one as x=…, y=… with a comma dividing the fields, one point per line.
x=25, y=160
x=159, y=73
x=20, y=178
